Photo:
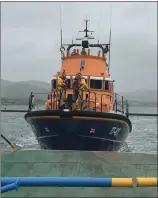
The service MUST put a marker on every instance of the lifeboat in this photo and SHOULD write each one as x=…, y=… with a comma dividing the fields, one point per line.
x=82, y=112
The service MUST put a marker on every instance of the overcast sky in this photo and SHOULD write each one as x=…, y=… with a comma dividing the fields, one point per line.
x=30, y=39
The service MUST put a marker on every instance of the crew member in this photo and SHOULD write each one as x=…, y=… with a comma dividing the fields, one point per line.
x=83, y=86
x=73, y=52
x=62, y=85
x=83, y=52
x=59, y=82
x=79, y=85
x=76, y=85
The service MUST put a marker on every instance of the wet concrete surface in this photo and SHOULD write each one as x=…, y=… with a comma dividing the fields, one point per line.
x=75, y=163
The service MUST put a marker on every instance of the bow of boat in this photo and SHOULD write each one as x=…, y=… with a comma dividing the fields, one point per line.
x=79, y=130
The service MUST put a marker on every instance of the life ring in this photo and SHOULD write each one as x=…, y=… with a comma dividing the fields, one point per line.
x=62, y=49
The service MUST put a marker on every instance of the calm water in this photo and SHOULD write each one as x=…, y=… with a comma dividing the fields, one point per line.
x=142, y=139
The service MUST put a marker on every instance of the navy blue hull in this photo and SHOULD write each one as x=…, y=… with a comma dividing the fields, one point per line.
x=79, y=131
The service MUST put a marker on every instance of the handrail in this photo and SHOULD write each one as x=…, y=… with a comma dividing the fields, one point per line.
x=120, y=104
x=11, y=183
x=68, y=181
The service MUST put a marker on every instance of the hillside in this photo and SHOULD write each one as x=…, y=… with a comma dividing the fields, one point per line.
x=22, y=90
x=141, y=95
x=39, y=84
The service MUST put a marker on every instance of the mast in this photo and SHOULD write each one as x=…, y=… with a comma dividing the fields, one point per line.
x=110, y=38
x=109, y=49
x=85, y=42
x=60, y=28
x=61, y=38
x=86, y=30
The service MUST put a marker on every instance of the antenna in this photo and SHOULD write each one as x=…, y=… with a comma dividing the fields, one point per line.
x=61, y=38
x=99, y=24
x=110, y=37
x=62, y=49
x=86, y=32
x=60, y=26
x=61, y=42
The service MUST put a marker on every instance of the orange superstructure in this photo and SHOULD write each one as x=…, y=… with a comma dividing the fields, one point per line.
x=94, y=65
x=93, y=68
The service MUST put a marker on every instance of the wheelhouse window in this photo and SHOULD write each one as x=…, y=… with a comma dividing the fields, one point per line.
x=95, y=84
x=108, y=85
x=54, y=84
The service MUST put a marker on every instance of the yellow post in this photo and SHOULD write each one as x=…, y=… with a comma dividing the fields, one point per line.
x=122, y=182
x=146, y=182
x=13, y=148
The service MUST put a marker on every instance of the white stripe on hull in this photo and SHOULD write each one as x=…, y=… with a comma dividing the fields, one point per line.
x=47, y=136
x=100, y=138
x=84, y=136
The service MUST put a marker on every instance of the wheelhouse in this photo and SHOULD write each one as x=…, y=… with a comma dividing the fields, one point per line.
x=93, y=82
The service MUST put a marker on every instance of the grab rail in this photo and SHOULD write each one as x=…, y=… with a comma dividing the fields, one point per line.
x=120, y=104
x=11, y=183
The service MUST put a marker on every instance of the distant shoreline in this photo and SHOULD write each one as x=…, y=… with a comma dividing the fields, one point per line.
x=8, y=101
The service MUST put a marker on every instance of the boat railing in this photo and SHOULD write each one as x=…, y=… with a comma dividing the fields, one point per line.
x=90, y=98
x=120, y=104
x=35, y=99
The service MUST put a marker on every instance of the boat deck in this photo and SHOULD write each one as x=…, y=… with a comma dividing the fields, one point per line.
x=75, y=163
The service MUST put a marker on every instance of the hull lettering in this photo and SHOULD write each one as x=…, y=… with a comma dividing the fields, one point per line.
x=115, y=131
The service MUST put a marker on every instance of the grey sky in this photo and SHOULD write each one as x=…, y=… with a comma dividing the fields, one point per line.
x=30, y=39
